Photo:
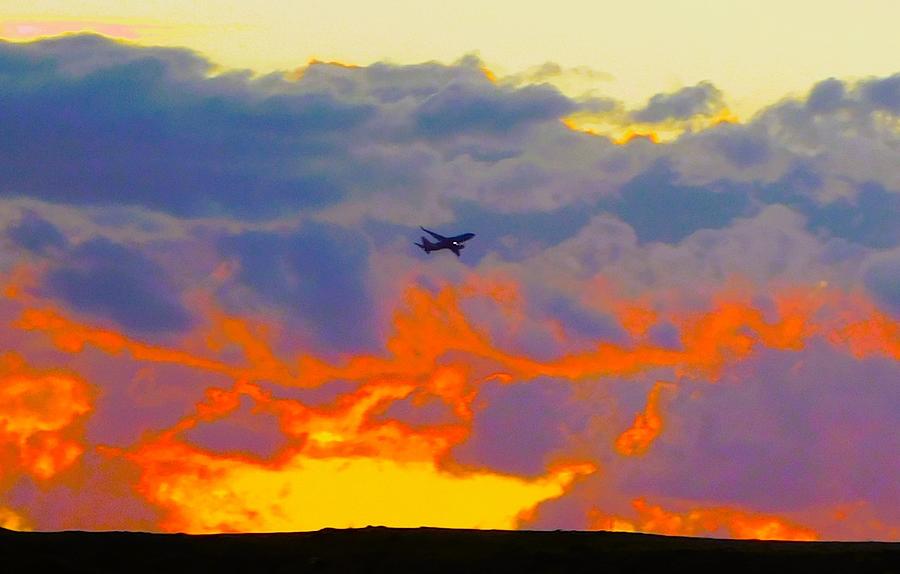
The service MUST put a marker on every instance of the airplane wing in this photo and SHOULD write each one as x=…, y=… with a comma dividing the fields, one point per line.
x=437, y=236
x=454, y=249
x=463, y=237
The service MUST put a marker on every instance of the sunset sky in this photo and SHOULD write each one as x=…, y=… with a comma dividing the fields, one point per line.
x=680, y=313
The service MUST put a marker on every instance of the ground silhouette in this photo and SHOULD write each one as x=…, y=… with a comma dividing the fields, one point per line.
x=429, y=550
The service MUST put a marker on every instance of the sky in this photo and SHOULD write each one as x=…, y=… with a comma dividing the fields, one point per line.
x=755, y=51
x=680, y=313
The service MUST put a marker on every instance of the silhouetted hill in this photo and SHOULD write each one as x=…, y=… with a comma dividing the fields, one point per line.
x=429, y=550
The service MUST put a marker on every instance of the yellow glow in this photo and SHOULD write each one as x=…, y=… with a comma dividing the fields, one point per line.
x=631, y=134
x=206, y=493
x=325, y=437
x=12, y=520
x=619, y=128
x=755, y=51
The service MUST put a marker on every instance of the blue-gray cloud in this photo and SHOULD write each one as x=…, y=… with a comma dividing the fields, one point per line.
x=704, y=98
x=243, y=431
x=742, y=147
x=516, y=236
x=152, y=129
x=754, y=435
x=584, y=323
x=883, y=94
x=661, y=209
x=34, y=233
x=317, y=273
x=882, y=277
x=520, y=426
x=120, y=283
x=826, y=96
x=463, y=108
x=868, y=219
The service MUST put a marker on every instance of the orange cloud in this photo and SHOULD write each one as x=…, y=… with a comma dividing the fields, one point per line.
x=646, y=427
x=71, y=336
x=37, y=412
x=347, y=463
x=876, y=334
x=715, y=521
x=636, y=319
x=431, y=325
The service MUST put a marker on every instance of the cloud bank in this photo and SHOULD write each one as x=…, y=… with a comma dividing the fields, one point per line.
x=214, y=319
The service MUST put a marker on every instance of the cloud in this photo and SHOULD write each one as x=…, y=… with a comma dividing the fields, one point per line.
x=765, y=454
x=464, y=108
x=317, y=272
x=826, y=96
x=36, y=234
x=120, y=283
x=152, y=129
x=102, y=499
x=390, y=83
x=882, y=278
x=702, y=99
x=554, y=71
x=503, y=232
x=845, y=129
x=720, y=521
x=882, y=94
x=244, y=432
x=868, y=220
x=659, y=209
x=38, y=415
x=741, y=147
x=752, y=266
x=520, y=427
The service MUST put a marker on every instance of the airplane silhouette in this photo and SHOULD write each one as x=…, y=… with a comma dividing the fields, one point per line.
x=454, y=244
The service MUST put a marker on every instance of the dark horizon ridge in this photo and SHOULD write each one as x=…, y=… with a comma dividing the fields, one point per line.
x=382, y=549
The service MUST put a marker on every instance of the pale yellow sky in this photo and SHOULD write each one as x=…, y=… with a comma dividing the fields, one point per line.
x=755, y=51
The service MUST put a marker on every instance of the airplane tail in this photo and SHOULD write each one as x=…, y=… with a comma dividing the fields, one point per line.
x=426, y=245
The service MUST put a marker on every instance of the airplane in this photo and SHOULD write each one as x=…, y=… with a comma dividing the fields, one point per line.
x=454, y=244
